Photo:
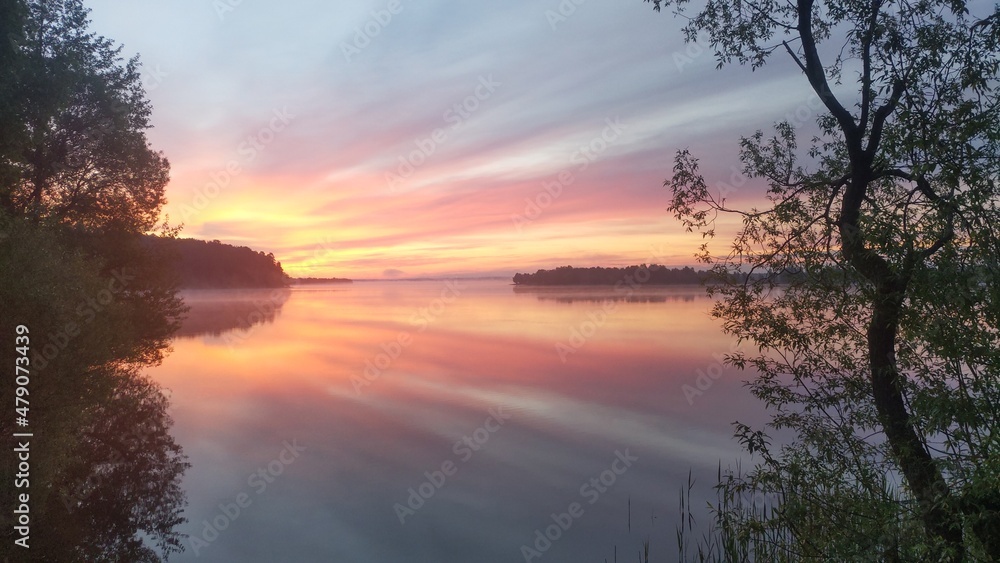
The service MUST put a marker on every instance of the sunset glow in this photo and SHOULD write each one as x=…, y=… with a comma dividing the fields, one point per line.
x=475, y=153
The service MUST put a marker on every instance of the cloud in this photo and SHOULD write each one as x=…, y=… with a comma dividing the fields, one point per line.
x=392, y=273
x=412, y=103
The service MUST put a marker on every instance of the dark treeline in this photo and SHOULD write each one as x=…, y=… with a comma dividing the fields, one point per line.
x=657, y=275
x=200, y=264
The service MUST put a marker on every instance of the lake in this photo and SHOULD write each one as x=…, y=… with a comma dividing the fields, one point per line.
x=438, y=421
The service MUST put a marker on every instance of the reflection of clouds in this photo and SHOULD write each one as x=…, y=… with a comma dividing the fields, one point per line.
x=566, y=418
x=490, y=347
x=212, y=312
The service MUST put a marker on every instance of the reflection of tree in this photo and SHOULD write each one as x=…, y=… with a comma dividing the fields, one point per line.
x=622, y=277
x=214, y=312
x=568, y=295
x=121, y=482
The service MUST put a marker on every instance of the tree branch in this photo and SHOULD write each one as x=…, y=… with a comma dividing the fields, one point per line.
x=795, y=57
x=866, y=54
x=881, y=114
x=817, y=78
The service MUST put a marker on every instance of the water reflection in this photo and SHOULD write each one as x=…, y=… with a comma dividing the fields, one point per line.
x=212, y=312
x=117, y=495
x=390, y=389
x=624, y=294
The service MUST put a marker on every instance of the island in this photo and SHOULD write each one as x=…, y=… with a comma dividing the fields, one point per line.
x=569, y=275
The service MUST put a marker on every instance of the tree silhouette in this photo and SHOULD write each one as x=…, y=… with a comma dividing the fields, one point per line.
x=77, y=115
x=891, y=215
x=212, y=264
x=628, y=276
x=78, y=185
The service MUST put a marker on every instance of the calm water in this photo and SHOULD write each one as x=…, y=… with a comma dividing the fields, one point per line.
x=420, y=421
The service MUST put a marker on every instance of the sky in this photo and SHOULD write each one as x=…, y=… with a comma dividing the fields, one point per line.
x=395, y=139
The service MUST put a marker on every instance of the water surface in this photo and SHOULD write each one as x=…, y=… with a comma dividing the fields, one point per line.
x=437, y=421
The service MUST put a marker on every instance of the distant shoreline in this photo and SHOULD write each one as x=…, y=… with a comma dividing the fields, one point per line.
x=309, y=281
x=646, y=275
x=439, y=278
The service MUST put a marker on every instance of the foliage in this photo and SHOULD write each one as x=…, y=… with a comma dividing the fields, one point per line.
x=652, y=274
x=212, y=264
x=107, y=473
x=883, y=356
x=78, y=185
x=11, y=130
x=74, y=146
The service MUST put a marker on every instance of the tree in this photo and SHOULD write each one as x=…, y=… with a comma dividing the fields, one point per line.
x=883, y=354
x=78, y=185
x=81, y=114
x=105, y=480
x=11, y=129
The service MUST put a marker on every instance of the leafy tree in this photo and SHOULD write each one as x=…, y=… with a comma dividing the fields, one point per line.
x=883, y=354
x=105, y=480
x=78, y=184
x=82, y=157
x=11, y=129
x=212, y=264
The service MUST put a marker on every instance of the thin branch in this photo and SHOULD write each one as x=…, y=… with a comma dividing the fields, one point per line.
x=817, y=77
x=881, y=114
x=795, y=57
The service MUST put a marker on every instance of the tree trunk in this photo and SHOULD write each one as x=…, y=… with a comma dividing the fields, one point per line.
x=922, y=474
x=926, y=482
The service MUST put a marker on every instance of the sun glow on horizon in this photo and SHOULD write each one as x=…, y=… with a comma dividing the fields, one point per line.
x=473, y=158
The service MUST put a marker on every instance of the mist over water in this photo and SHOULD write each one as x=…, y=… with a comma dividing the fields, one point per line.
x=447, y=420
